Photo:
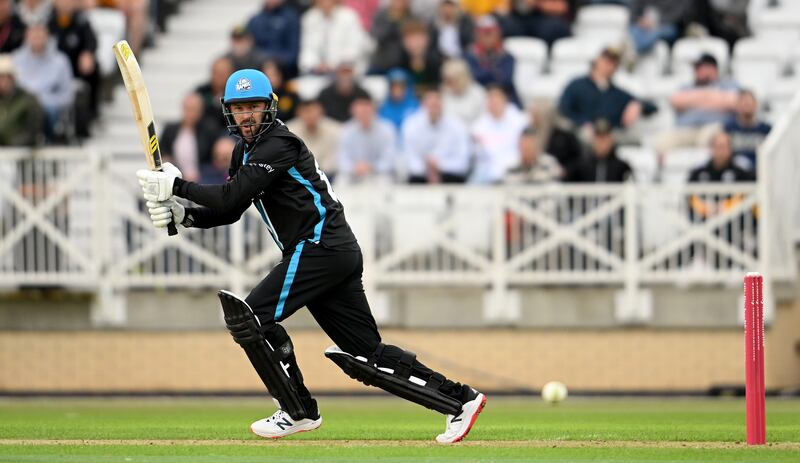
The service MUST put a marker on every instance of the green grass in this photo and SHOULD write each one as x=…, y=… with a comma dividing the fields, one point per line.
x=509, y=430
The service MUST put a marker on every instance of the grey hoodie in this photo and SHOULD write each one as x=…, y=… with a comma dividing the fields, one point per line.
x=47, y=76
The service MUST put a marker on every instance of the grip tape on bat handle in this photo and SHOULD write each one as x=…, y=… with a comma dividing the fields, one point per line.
x=172, y=230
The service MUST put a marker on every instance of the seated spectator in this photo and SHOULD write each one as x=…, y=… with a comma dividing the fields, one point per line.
x=12, y=29
x=331, y=34
x=337, y=97
x=654, y=20
x=489, y=62
x=367, y=146
x=548, y=20
x=496, y=134
x=217, y=171
x=435, y=144
x=534, y=166
x=419, y=58
x=188, y=142
x=212, y=92
x=747, y=132
x=603, y=165
x=721, y=167
x=287, y=98
x=365, y=9
x=76, y=39
x=452, y=30
x=276, y=31
x=243, y=54
x=595, y=96
x=701, y=108
x=462, y=96
x=320, y=134
x=726, y=19
x=21, y=117
x=45, y=72
x=477, y=8
x=34, y=11
x=401, y=101
x=387, y=26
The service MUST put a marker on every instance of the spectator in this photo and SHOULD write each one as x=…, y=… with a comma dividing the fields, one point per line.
x=489, y=62
x=387, y=26
x=337, y=97
x=496, y=134
x=436, y=144
x=45, y=72
x=332, y=34
x=287, y=98
x=76, y=39
x=365, y=9
x=654, y=20
x=419, y=58
x=187, y=142
x=701, y=108
x=726, y=19
x=401, y=101
x=321, y=134
x=595, y=96
x=462, y=96
x=603, y=165
x=746, y=131
x=548, y=20
x=534, y=166
x=452, y=30
x=34, y=11
x=721, y=167
x=137, y=18
x=21, y=116
x=243, y=54
x=212, y=92
x=276, y=31
x=477, y=8
x=300, y=5
x=367, y=146
x=12, y=29
x=217, y=171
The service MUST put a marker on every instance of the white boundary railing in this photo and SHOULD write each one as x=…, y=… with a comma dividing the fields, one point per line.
x=73, y=218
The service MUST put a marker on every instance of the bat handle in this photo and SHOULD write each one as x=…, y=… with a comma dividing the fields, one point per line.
x=172, y=230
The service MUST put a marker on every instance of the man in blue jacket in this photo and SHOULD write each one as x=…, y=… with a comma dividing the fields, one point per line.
x=276, y=31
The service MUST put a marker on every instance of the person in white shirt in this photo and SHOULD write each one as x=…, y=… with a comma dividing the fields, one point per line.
x=436, y=144
x=320, y=133
x=462, y=96
x=367, y=147
x=496, y=134
x=330, y=35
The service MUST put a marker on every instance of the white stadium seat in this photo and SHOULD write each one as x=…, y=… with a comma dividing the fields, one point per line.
x=308, y=87
x=654, y=64
x=109, y=25
x=530, y=56
x=376, y=86
x=687, y=50
x=679, y=163
x=573, y=55
x=780, y=24
x=757, y=63
x=643, y=161
x=605, y=22
x=780, y=95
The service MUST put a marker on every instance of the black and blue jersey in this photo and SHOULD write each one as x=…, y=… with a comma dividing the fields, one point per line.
x=279, y=175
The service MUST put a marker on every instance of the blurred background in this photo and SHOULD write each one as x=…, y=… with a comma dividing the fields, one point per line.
x=543, y=190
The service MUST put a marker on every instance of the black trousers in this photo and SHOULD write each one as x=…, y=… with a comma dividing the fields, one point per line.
x=329, y=283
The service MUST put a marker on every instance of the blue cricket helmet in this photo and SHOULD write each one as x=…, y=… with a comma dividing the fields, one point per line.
x=247, y=85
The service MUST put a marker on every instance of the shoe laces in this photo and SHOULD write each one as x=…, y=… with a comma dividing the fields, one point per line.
x=277, y=416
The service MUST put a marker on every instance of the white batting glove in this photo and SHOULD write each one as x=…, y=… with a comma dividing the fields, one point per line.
x=157, y=186
x=163, y=212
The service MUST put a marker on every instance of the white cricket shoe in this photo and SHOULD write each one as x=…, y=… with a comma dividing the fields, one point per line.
x=280, y=424
x=458, y=426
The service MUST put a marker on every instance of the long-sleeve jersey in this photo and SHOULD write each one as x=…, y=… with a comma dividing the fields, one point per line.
x=280, y=176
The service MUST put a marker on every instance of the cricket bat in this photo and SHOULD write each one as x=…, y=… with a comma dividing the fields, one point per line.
x=142, y=111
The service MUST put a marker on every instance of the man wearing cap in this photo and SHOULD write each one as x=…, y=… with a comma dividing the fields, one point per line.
x=20, y=113
x=701, y=108
x=488, y=60
x=602, y=165
x=243, y=53
x=595, y=96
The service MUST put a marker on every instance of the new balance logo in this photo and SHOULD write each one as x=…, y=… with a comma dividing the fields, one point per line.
x=456, y=419
x=285, y=423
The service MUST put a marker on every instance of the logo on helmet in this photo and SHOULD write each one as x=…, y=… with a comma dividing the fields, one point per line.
x=243, y=85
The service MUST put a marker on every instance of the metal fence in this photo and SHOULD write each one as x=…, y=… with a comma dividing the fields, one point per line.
x=73, y=218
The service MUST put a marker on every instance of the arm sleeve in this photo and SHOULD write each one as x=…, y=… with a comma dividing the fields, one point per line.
x=232, y=198
x=566, y=105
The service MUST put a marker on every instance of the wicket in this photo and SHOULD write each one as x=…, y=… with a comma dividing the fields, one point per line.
x=754, y=358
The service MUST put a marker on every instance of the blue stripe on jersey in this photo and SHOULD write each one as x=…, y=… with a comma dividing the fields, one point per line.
x=287, y=281
x=263, y=213
x=317, y=202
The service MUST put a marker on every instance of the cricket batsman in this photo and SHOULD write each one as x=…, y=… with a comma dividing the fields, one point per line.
x=321, y=269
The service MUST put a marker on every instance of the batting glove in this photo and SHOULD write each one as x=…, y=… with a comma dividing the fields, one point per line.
x=157, y=186
x=163, y=212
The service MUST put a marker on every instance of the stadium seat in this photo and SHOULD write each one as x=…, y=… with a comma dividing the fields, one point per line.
x=530, y=57
x=757, y=63
x=604, y=22
x=376, y=86
x=631, y=83
x=779, y=96
x=572, y=56
x=546, y=87
x=308, y=87
x=687, y=50
x=782, y=25
x=654, y=64
x=109, y=25
x=642, y=160
x=678, y=163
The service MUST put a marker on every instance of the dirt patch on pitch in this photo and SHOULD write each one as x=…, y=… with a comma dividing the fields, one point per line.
x=405, y=443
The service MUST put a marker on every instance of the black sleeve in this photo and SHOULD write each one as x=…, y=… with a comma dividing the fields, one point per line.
x=226, y=203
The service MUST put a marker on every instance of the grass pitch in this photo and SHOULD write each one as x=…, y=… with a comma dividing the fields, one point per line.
x=390, y=430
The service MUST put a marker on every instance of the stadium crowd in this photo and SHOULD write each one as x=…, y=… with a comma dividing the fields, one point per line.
x=453, y=112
